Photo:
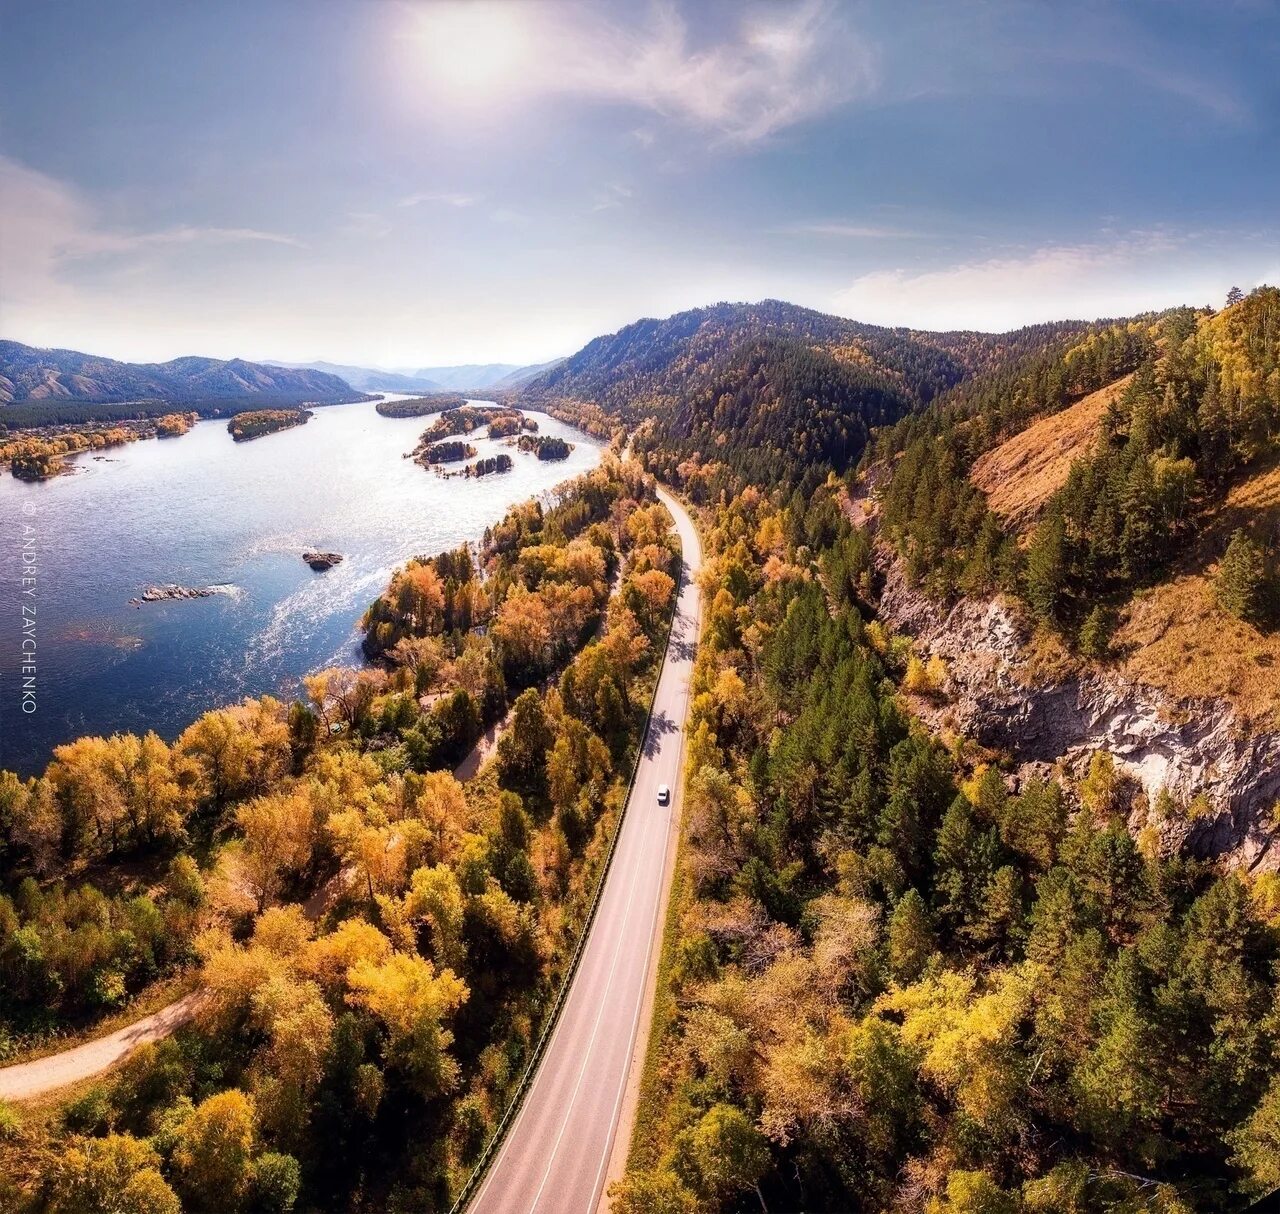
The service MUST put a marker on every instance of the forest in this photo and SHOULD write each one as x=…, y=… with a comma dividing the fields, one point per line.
x=888, y=982
x=378, y=941
x=1202, y=406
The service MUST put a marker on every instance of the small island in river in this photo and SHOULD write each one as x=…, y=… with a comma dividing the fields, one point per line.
x=420, y=406
x=320, y=561
x=161, y=594
x=545, y=446
x=257, y=422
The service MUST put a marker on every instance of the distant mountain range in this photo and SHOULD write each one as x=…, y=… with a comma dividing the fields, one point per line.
x=369, y=379
x=464, y=377
x=31, y=374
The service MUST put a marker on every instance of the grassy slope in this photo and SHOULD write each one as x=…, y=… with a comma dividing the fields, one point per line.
x=1025, y=471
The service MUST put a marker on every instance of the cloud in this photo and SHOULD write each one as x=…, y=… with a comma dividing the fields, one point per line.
x=774, y=66
x=1126, y=274
x=854, y=231
x=99, y=243
x=47, y=229
x=443, y=198
x=612, y=196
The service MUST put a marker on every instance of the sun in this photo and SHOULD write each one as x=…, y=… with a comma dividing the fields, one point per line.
x=474, y=50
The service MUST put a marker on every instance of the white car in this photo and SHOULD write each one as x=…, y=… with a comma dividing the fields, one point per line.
x=664, y=795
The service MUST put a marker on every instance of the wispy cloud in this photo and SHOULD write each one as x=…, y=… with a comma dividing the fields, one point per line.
x=440, y=197
x=854, y=231
x=98, y=243
x=1120, y=275
x=612, y=196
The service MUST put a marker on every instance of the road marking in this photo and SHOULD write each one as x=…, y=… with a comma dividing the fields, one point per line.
x=595, y=1028
x=650, y=955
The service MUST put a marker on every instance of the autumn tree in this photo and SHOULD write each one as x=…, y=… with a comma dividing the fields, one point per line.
x=413, y=1002
x=118, y=1174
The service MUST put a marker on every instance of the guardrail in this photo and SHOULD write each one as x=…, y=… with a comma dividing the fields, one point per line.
x=526, y=1079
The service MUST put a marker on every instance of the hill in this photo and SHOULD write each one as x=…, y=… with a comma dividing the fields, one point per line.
x=765, y=389
x=31, y=374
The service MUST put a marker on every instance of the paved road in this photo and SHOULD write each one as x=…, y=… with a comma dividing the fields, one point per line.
x=30, y=1079
x=556, y=1155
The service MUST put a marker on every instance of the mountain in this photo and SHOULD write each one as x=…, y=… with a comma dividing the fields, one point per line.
x=523, y=375
x=369, y=379
x=468, y=375
x=31, y=374
x=766, y=388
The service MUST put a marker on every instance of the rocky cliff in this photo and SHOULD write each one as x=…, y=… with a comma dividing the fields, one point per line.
x=998, y=694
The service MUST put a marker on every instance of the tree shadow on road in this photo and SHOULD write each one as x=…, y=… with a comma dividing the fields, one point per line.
x=659, y=725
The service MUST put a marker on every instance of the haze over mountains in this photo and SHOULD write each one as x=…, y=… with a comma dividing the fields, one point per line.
x=463, y=377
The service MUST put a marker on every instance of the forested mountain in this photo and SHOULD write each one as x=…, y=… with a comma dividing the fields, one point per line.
x=768, y=386
x=29, y=373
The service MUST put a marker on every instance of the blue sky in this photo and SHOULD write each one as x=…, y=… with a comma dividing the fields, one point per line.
x=403, y=183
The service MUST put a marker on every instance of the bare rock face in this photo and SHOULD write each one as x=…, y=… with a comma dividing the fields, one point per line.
x=1188, y=746
x=320, y=561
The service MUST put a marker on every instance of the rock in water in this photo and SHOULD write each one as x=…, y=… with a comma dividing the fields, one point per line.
x=320, y=561
x=159, y=594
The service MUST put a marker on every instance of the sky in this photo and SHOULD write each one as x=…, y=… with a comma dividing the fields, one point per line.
x=399, y=183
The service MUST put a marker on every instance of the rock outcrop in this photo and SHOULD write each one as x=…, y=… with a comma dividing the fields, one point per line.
x=998, y=694
x=320, y=561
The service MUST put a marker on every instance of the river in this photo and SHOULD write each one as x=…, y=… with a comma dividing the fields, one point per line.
x=202, y=510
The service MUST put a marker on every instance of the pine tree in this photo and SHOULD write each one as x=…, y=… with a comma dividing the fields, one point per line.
x=1095, y=639
x=1240, y=584
x=911, y=940
x=1046, y=567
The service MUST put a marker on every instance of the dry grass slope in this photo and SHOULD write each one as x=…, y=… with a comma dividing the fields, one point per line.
x=1179, y=639
x=1021, y=474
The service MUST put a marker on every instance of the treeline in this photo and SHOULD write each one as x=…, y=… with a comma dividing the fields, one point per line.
x=1204, y=402
x=892, y=983
x=379, y=943
x=39, y=456
x=27, y=415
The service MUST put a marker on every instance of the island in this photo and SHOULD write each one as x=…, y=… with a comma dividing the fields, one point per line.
x=444, y=453
x=420, y=406
x=490, y=465
x=257, y=422
x=320, y=561
x=545, y=446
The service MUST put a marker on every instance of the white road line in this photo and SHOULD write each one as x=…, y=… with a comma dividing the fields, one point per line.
x=595, y=1028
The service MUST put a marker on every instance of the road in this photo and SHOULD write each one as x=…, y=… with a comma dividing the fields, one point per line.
x=28, y=1080
x=556, y=1156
